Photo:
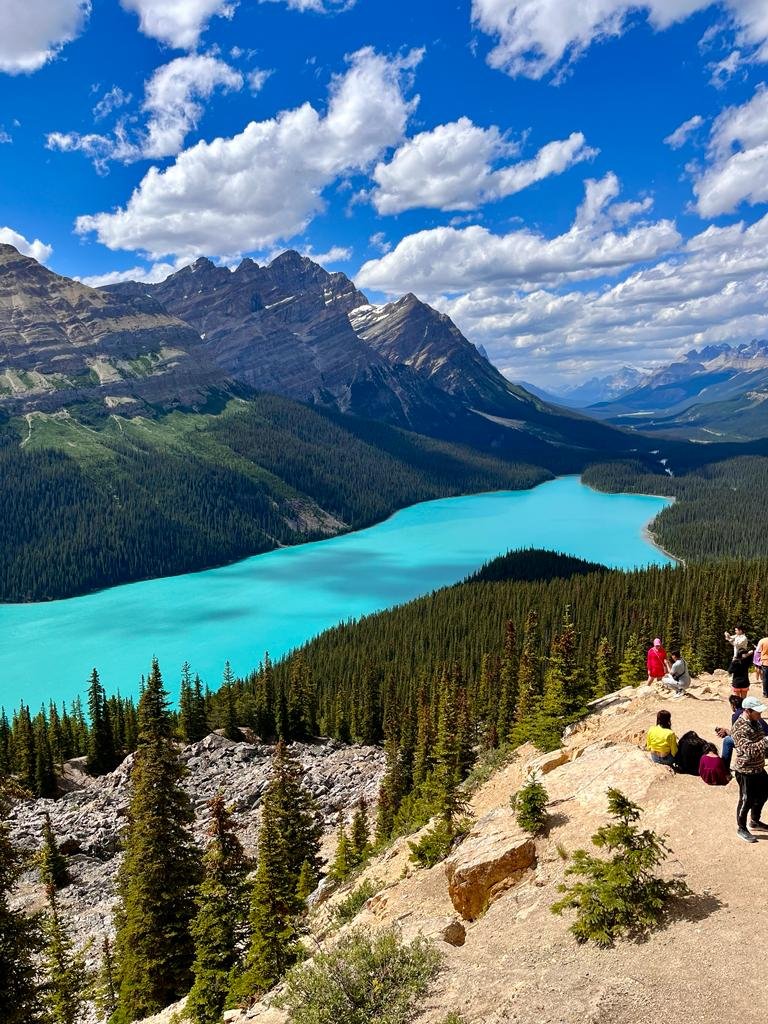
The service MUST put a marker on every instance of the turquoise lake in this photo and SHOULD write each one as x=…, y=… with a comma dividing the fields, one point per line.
x=275, y=601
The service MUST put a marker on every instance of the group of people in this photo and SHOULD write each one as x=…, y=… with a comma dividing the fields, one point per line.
x=668, y=669
x=745, y=743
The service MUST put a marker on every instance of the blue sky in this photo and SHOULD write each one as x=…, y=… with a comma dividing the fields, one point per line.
x=523, y=169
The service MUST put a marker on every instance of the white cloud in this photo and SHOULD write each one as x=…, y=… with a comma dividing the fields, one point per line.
x=534, y=37
x=5, y=138
x=380, y=242
x=257, y=79
x=336, y=254
x=724, y=70
x=316, y=6
x=683, y=132
x=111, y=101
x=172, y=103
x=266, y=183
x=714, y=288
x=37, y=250
x=450, y=260
x=179, y=23
x=33, y=31
x=149, y=275
x=738, y=154
x=451, y=167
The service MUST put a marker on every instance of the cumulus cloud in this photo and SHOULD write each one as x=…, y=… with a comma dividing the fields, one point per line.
x=738, y=159
x=179, y=23
x=683, y=132
x=37, y=250
x=266, y=183
x=715, y=288
x=257, y=79
x=535, y=37
x=449, y=260
x=33, y=31
x=451, y=167
x=149, y=275
x=172, y=103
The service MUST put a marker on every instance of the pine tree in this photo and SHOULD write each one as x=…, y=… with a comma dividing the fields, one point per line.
x=390, y=793
x=156, y=879
x=507, y=684
x=632, y=667
x=528, y=681
x=530, y=806
x=605, y=668
x=66, y=979
x=51, y=861
x=359, y=835
x=105, y=994
x=307, y=882
x=341, y=864
x=294, y=812
x=101, y=741
x=218, y=927
x=231, y=730
x=45, y=771
x=20, y=939
x=275, y=907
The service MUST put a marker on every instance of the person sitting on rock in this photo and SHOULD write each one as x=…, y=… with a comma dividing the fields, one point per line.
x=739, y=672
x=678, y=678
x=750, y=746
x=661, y=741
x=712, y=769
x=656, y=662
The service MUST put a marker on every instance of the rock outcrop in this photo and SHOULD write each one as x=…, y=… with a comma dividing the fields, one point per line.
x=494, y=857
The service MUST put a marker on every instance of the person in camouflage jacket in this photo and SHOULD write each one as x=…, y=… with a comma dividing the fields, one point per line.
x=750, y=748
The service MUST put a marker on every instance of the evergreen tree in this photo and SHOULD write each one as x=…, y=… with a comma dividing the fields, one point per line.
x=390, y=793
x=66, y=979
x=101, y=741
x=341, y=864
x=359, y=835
x=605, y=670
x=105, y=993
x=530, y=806
x=294, y=812
x=528, y=681
x=219, y=924
x=231, y=730
x=632, y=667
x=507, y=684
x=302, y=700
x=307, y=882
x=52, y=863
x=156, y=879
x=45, y=771
x=275, y=907
x=19, y=934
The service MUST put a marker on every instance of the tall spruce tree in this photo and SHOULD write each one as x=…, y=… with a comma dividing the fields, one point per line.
x=101, y=741
x=66, y=982
x=105, y=989
x=51, y=861
x=20, y=938
x=529, y=682
x=632, y=667
x=605, y=671
x=222, y=910
x=156, y=880
x=359, y=834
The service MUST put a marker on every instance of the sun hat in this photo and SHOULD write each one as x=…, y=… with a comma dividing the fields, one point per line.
x=752, y=704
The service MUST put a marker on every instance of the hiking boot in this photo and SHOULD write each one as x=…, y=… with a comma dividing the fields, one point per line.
x=747, y=836
x=760, y=825
x=678, y=695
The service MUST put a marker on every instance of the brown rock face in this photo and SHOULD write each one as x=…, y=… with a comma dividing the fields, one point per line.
x=61, y=341
x=494, y=857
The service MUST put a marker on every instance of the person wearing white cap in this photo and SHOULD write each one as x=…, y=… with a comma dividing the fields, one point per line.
x=678, y=678
x=750, y=746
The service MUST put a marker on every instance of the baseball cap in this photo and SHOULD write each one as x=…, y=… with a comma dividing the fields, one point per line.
x=752, y=704
x=657, y=642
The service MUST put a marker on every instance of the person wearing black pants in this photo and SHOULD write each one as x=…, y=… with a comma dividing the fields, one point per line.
x=750, y=746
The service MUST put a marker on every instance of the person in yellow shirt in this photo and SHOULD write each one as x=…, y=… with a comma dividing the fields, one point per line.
x=761, y=660
x=661, y=741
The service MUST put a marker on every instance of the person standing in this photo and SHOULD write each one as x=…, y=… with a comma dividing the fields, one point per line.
x=761, y=659
x=678, y=678
x=656, y=662
x=750, y=746
x=739, y=672
x=738, y=638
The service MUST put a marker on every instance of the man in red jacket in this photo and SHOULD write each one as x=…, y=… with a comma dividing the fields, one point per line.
x=656, y=661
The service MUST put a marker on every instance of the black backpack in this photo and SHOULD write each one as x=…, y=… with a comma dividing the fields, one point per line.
x=690, y=748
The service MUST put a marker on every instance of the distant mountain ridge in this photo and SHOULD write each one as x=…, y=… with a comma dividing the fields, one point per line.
x=714, y=393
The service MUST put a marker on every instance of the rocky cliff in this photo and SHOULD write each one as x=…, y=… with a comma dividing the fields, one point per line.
x=63, y=343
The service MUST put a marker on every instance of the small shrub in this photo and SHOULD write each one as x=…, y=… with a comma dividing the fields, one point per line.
x=489, y=763
x=349, y=908
x=436, y=844
x=363, y=980
x=621, y=895
x=562, y=853
x=453, y=1018
x=530, y=806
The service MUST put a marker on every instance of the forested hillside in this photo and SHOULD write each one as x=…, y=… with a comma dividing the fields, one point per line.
x=88, y=504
